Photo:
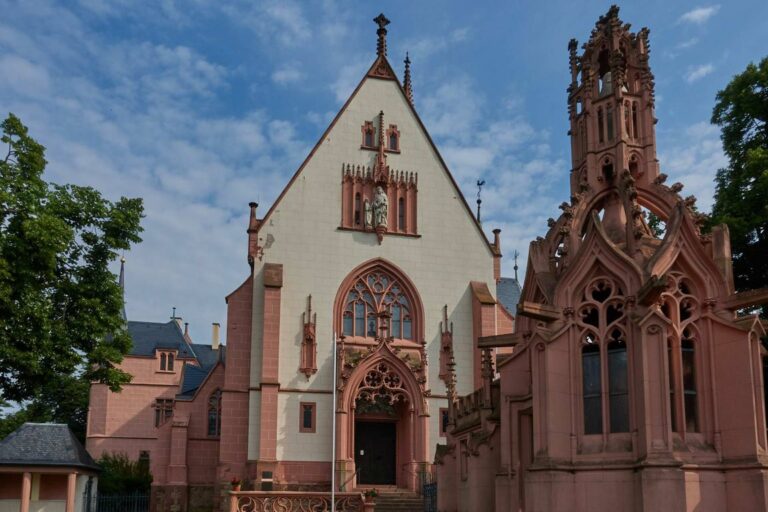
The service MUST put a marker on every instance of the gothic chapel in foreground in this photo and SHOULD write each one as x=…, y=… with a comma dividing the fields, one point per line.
x=633, y=385
x=370, y=242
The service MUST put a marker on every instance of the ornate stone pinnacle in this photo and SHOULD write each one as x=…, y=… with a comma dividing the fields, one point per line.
x=407, y=79
x=381, y=45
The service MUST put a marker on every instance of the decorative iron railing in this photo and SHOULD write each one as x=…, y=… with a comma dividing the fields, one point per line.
x=287, y=501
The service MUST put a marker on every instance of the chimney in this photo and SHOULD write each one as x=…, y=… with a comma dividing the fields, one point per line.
x=186, y=329
x=215, y=343
x=497, y=254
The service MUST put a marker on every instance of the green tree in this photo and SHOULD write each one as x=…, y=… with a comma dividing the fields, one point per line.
x=121, y=475
x=741, y=199
x=60, y=305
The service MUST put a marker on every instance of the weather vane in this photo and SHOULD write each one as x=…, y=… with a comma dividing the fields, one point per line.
x=480, y=184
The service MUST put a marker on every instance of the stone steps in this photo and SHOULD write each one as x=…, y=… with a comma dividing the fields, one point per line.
x=399, y=502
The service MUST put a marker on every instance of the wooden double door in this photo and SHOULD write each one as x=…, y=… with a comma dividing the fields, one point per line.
x=376, y=452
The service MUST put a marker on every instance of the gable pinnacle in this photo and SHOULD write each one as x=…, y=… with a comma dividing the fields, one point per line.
x=407, y=79
x=381, y=45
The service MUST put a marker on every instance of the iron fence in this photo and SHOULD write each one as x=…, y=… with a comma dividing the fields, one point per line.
x=429, y=491
x=136, y=502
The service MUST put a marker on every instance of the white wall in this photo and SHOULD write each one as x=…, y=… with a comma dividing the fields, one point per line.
x=302, y=234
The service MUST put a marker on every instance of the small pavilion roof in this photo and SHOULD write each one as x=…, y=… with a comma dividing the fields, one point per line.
x=45, y=444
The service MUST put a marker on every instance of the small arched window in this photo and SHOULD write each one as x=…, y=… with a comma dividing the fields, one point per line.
x=170, y=361
x=393, y=138
x=214, y=414
x=368, y=133
x=378, y=305
x=401, y=214
x=163, y=364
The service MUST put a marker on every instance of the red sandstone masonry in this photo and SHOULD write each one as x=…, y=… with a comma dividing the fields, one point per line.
x=273, y=282
x=233, y=449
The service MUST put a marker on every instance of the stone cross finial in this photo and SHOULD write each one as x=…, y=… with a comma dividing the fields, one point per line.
x=381, y=45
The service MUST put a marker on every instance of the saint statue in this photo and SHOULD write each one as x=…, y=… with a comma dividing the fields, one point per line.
x=368, y=214
x=380, y=207
x=607, y=83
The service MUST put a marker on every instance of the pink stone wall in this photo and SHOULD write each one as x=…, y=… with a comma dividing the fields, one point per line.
x=53, y=487
x=10, y=486
x=233, y=449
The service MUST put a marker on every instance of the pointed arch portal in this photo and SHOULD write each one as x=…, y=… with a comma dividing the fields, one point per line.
x=382, y=429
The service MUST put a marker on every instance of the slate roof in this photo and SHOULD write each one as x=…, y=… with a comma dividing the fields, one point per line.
x=149, y=336
x=508, y=292
x=207, y=357
x=44, y=444
x=193, y=378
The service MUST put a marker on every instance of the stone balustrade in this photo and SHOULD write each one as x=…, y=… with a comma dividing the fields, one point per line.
x=296, y=501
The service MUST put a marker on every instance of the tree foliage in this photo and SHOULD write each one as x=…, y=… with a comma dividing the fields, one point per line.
x=741, y=199
x=121, y=475
x=60, y=305
x=62, y=400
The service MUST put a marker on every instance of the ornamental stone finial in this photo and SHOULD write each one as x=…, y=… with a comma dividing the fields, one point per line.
x=381, y=45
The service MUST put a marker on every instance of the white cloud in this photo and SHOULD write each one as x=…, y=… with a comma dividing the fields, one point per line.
x=273, y=20
x=287, y=74
x=698, y=72
x=688, y=43
x=348, y=78
x=23, y=76
x=699, y=15
x=693, y=158
x=131, y=118
x=424, y=47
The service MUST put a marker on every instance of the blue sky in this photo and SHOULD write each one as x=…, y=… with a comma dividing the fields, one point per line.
x=201, y=106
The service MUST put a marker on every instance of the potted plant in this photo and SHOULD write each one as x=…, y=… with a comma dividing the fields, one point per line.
x=371, y=495
x=236, y=482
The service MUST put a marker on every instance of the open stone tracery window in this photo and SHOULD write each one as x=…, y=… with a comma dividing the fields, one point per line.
x=604, y=345
x=378, y=300
x=681, y=307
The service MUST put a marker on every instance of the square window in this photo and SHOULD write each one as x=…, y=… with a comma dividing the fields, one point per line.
x=307, y=417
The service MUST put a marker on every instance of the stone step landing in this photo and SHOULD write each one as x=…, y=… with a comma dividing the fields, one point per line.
x=399, y=501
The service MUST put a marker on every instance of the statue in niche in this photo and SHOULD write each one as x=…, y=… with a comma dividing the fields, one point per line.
x=607, y=83
x=380, y=208
x=368, y=214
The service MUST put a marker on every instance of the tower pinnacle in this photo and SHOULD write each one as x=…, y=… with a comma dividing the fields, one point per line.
x=407, y=79
x=381, y=45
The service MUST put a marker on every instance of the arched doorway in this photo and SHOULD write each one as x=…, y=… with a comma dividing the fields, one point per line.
x=382, y=420
x=382, y=414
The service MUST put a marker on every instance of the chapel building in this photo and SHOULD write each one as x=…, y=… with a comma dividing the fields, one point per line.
x=369, y=262
x=633, y=384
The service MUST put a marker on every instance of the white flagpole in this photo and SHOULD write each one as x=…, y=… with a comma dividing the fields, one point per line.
x=333, y=429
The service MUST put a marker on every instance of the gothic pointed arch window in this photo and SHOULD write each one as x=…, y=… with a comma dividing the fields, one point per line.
x=681, y=307
x=605, y=393
x=214, y=414
x=377, y=302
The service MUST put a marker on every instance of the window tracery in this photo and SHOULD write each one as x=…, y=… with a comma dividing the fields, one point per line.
x=604, y=345
x=214, y=414
x=681, y=307
x=382, y=383
x=378, y=300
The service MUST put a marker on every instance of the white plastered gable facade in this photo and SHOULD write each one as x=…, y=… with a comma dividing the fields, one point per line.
x=302, y=233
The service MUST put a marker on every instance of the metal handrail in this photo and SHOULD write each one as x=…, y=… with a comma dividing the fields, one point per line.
x=343, y=486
